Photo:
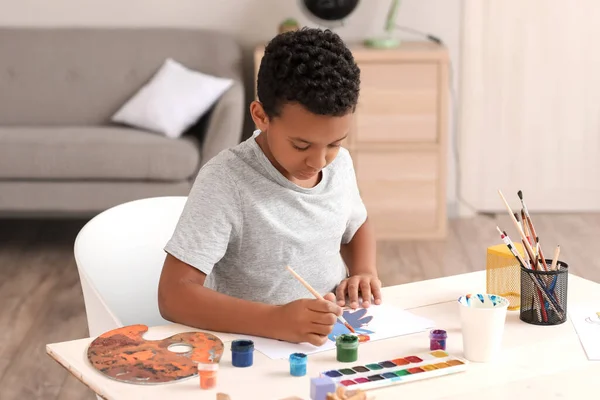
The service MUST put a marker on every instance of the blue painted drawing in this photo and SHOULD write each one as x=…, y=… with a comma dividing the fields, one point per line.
x=357, y=320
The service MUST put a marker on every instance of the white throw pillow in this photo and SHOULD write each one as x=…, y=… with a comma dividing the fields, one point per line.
x=173, y=100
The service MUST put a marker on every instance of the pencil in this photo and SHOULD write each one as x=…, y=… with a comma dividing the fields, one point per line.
x=317, y=295
x=555, y=259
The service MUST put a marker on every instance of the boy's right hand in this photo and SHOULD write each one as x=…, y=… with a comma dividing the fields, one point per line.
x=306, y=320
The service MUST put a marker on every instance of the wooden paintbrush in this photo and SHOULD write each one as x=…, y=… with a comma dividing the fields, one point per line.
x=534, y=237
x=317, y=295
x=521, y=233
x=527, y=235
x=511, y=247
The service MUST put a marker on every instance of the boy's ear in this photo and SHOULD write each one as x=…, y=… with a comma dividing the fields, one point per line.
x=259, y=116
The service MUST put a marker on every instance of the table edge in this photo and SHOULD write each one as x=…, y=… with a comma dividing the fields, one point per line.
x=74, y=372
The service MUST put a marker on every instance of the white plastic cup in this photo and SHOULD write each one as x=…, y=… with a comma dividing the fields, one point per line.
x=482, y=318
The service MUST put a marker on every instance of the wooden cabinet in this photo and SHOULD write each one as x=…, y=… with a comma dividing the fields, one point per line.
x=399, y=140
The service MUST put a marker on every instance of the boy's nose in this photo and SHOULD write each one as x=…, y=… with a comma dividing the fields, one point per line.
x=317, y=161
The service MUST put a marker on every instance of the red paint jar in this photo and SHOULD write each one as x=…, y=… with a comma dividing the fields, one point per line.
x=437, y=339
x=208, y=375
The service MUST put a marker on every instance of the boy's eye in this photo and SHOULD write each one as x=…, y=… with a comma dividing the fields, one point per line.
x=306, y=148
x=300, y=148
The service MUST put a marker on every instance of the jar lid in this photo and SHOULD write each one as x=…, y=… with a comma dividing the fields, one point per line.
x=438, y=333
x=298, y=358
x=207, y=367
x=242, y=345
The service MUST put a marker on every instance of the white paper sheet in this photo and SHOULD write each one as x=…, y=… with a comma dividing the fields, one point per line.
x=586, y=321
x=377, y=322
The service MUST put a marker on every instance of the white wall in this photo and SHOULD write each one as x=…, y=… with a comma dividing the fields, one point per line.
x=531, y=106
x=251, y=21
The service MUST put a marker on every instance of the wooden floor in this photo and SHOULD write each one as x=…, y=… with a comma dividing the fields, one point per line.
x=41, y=301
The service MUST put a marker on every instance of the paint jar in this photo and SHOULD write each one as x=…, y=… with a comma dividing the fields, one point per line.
x=298, y=364
x=347, y=348
x=242, y=353
x=437, y=339
x=208, y=375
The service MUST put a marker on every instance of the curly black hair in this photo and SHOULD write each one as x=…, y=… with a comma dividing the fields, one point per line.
x=311, y=67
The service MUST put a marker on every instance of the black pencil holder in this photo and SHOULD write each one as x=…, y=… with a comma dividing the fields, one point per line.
x=544, y=295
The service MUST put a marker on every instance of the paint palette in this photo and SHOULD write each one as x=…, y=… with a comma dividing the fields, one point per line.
x=399, y=370
x=124, y=355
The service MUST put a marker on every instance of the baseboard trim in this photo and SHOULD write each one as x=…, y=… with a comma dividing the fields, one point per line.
x=452, y=209
x=457, y=210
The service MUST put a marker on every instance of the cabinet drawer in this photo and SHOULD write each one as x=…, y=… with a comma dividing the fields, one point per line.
x=398, y=102
x=400, y=191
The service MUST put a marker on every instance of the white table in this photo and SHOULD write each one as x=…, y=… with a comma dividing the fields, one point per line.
x=537, y=362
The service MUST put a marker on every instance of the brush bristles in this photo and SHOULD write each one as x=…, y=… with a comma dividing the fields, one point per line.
x=520, y=194
x=350, y=327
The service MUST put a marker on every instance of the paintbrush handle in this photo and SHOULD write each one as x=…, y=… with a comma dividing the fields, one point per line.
x=530, y=256
x=514, y=220
x=306, y=284
x=542, y=258
x=534, y=236
x=547, y=295
x=314, y=293
x=512, y=248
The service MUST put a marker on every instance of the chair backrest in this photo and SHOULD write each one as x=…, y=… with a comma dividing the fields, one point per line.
x=119, y=255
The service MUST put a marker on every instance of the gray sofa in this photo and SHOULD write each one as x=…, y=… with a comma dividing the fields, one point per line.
x=59, y=152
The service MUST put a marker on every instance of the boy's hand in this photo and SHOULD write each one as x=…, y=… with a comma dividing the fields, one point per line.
x=306, y=320
x=368, y=285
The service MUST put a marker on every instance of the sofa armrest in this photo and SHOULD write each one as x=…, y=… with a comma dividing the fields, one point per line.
x=224, y=127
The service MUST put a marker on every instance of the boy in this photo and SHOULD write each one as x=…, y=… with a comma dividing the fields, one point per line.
x=286, y=196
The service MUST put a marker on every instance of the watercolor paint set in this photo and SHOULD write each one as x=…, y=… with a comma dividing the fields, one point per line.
x=404, y=369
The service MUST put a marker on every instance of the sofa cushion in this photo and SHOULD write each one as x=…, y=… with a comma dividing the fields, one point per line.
x=95, y=153
x=174, y=99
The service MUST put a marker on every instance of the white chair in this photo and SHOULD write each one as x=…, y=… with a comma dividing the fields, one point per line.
x=119, y=255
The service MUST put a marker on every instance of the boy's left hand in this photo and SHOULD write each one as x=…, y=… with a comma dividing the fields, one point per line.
x=368, y=285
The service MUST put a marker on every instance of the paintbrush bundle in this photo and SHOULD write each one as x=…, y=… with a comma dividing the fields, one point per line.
x=543, y=281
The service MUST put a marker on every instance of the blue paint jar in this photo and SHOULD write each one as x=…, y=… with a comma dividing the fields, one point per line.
x=242, y=353
x=298, y=364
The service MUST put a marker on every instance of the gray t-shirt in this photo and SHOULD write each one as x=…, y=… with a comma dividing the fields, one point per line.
x=244, y=222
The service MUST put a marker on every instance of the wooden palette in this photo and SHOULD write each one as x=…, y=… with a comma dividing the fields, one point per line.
x=124, y=355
